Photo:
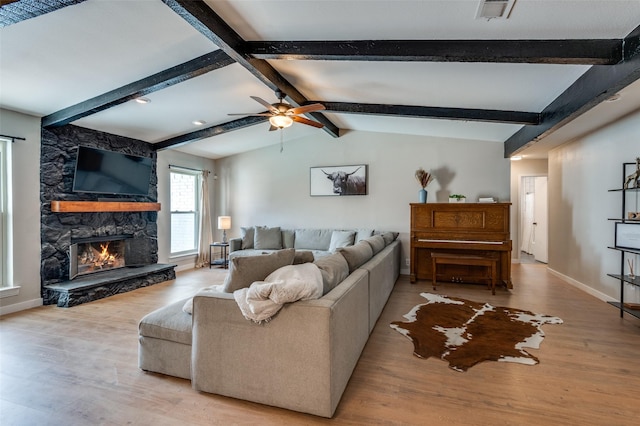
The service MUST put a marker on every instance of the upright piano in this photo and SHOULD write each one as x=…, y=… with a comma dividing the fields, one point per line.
x=478, y=229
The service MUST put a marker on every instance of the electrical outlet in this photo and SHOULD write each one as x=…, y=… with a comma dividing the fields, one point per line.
x=406, y=261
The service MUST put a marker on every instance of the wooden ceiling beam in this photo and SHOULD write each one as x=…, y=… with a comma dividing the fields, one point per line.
x=599, y=83
x=208, y=132
x=411, y=111
x=194, y=68
x=201, y=17
x=581, y=52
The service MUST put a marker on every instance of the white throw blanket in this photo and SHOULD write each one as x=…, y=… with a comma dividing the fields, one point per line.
x=263, y=299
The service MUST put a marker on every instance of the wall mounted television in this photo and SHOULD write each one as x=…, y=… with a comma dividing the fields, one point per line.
x=109, y=172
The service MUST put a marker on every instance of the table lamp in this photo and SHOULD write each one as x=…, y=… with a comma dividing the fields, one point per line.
x=224, y=223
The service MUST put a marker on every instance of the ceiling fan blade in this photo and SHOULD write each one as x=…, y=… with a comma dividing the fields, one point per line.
x=305, y=109
x=264, y=103
x=262, y=114
x=307, y=122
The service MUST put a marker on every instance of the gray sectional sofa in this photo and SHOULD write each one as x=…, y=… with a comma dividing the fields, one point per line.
x=303, y=357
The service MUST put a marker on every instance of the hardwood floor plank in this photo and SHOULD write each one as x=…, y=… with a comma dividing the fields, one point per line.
x=78, y=366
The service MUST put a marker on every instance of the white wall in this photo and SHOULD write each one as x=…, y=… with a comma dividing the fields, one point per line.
x=176, y=158
x=266, y=187
x=25, y=216
x=580, y=175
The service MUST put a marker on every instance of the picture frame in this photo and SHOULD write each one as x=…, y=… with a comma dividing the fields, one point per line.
x=627, y=235
x=338, y=181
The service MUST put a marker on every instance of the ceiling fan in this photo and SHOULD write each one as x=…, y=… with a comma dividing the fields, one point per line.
x=282, y=115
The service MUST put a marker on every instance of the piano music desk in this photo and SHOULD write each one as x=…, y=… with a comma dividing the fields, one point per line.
x=465, y=259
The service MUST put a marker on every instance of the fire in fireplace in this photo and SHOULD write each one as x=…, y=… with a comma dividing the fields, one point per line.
x=97, y=254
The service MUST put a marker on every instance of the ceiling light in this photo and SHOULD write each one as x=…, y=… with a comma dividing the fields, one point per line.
x=280, y=121
x=199, y=122
x=516, y=158
x=143, y=100
x=490, y=9
x=614, y=98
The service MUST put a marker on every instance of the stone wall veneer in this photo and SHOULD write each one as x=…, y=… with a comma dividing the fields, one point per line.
x=58, y=230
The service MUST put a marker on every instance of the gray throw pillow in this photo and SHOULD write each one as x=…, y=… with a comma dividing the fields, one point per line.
x=266, y=238
x=288, y=238
x=334, y=270
x=341, y=239
x=247, y=237
x=357, y=254
x=303, y=256
x=377, y=243
x=389, y=237
x=245, y=270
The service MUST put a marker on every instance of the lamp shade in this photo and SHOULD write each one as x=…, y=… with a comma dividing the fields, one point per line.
x=224, y=222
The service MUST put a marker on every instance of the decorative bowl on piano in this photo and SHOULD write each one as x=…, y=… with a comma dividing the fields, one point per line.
x=457, y=198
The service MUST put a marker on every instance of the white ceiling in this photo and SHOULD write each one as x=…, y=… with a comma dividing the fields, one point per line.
x=65, y=57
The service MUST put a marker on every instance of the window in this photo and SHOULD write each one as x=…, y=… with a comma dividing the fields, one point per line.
x=4, y=193
x=185, y=201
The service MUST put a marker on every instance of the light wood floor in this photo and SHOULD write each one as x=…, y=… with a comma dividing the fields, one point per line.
x=78, y=366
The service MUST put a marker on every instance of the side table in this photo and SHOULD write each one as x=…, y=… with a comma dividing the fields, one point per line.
x=223, y=260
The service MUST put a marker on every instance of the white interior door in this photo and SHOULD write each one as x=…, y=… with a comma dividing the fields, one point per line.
x=540, y=222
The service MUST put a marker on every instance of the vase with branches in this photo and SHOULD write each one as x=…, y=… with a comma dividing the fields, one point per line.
x=424, y=178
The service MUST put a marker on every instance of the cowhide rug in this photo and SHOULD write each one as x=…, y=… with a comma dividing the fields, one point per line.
x=464, y=333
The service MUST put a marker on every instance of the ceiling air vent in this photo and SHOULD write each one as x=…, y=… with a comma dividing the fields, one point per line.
x=490, y=9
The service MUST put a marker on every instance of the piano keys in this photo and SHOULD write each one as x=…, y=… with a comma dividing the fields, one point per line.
x=477, y=229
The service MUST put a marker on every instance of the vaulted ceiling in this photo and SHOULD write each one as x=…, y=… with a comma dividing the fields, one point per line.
x=532, y=80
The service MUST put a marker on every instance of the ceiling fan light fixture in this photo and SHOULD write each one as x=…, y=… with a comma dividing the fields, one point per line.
x=280, y=121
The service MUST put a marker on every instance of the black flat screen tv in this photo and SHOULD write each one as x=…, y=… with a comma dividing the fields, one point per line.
x=109, y=172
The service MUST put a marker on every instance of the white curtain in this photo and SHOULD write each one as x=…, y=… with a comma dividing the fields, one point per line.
x=205, y=222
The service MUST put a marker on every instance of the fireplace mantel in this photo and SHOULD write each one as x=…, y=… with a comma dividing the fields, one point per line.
x=58, y=206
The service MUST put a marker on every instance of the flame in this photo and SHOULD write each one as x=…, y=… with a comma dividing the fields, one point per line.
x=104, y=257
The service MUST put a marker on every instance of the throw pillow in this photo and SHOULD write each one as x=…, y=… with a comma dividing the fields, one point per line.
x=377, y=243
x=247, y=237
x=266, y=238
x=363, y=234
x=357, y=254
x=303, y=256
x=334, y=270
x=288, y=237
x=389, y=237
x=341, y=239
x=244, y=270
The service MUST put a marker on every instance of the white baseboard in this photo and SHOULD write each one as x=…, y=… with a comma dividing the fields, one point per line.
x=595, y=293
x=22, y=306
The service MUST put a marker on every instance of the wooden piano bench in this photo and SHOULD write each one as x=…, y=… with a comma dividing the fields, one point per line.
x=465, y=259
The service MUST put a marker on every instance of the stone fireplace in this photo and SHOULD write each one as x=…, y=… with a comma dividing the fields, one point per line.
x=73, y=267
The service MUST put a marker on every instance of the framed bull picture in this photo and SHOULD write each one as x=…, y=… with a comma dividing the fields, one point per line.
x=338, y=180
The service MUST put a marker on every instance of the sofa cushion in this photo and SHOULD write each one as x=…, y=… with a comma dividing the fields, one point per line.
x=377, y=243
x=303, y=256
x=341, y=239
x=247, y=235
x=266, y=238
x=244, y=270
x=167, y=323
x=313, y=239
x=389, y=237
x=357, y=254
x=334, y=270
